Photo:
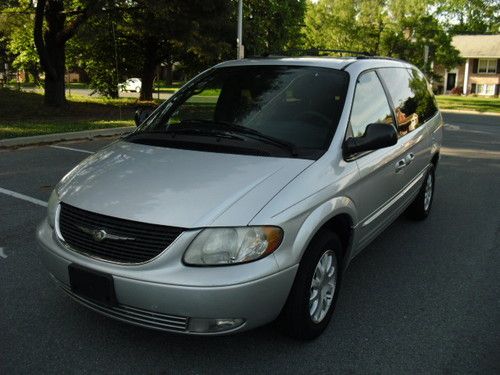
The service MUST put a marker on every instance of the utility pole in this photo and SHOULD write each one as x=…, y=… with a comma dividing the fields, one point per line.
x=426, y=58
x=240, y=51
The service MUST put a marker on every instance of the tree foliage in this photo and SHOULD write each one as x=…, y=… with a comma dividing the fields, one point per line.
x=194, y=33
x=271, y=26
x=17, y=47
x=397, y=28
x=470, y=16
x=56, y=21
x=117, y=39
x=22, y=46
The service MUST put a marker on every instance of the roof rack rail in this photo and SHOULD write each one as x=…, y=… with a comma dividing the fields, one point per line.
x=315, y=52
x=318, y=51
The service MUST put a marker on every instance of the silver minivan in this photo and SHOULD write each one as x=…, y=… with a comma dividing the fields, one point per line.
x=243, y=198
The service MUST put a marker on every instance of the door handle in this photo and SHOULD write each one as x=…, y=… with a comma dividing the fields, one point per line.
x=400, y=165
x=409, y=158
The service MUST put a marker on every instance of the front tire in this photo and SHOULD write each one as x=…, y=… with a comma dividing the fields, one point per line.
x=311, y=302
x=421, y=206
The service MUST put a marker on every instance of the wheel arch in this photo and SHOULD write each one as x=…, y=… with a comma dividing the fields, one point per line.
x=435, y=159
x=338, y=216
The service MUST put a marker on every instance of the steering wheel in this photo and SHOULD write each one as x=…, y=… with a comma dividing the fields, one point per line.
x=315, y=118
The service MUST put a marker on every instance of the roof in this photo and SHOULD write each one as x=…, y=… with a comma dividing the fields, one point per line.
x=477, y=45
x=324, y=62
x=327, y=62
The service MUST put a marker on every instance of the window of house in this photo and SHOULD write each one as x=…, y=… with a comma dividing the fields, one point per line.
x=482, y=89
x=487, y=66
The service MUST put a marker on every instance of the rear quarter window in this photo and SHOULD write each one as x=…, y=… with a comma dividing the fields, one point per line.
x=411, y=97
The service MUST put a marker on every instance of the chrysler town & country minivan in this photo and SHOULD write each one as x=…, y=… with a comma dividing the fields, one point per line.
x=243, y=198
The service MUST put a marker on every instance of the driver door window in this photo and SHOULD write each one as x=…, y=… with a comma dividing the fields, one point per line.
x=375, y=199
x=369, y=105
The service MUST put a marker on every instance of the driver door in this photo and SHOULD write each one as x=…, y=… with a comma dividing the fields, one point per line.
x=376, y=191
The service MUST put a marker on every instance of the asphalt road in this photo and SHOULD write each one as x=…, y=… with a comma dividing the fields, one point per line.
x=422, y=298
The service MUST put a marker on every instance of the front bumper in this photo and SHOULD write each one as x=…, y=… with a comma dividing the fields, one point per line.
x=148, y=295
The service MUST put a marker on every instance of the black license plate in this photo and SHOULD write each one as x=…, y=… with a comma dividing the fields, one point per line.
x=92, y=284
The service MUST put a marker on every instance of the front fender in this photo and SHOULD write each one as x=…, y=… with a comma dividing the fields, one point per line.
x=310, y=224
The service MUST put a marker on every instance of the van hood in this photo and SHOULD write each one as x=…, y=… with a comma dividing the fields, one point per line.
x=176, y=187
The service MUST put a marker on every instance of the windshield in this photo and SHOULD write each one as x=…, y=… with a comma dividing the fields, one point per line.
x=289, y=111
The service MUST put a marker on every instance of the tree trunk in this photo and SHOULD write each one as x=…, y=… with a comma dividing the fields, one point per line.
x=149, y=69
x=33, y=70
x=50, y=44
x=148, y=76
x=169, y=74
x=55, y=90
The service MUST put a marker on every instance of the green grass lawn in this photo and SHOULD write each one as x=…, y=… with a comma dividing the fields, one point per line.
x=469, y=103
x=24, y=114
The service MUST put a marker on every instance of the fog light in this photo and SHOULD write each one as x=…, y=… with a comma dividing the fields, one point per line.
x=201, y=325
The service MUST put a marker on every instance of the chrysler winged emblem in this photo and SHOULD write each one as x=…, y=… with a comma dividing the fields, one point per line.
x=101, y=234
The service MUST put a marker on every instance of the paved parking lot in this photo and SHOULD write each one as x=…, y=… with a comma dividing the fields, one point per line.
x=424, y=297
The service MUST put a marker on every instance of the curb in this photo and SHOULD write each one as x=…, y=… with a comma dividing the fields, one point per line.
x=467, y=112
x=59, y=137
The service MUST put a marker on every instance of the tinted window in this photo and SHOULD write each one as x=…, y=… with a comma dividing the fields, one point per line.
x=369, y=105
x=426, y=104
x=412, y=99
x=294, y=104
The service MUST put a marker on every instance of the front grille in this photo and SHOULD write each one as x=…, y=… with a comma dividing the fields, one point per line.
x=134, y=315
x=124, y=241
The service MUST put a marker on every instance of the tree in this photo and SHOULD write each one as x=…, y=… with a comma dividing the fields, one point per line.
x=271, y=26
x=397, y=28
x=470, y=16
x=103, y=49
x=11, y=18
x=331, y=24
x=194, y=33
x=22, y=46
x=413, y=25
x=160, y=29
x=56, y=21
x=199, y=33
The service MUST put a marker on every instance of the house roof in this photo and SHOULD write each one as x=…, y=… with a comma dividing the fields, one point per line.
x=477, y=45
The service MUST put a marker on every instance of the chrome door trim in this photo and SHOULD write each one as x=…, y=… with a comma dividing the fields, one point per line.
x=393, y=200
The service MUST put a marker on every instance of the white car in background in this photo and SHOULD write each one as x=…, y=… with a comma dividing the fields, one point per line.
x=131, y=84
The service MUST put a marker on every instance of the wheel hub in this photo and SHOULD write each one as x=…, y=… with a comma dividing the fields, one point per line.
x=323, y=286
x=428, y=192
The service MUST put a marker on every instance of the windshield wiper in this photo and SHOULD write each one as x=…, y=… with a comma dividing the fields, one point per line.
x=249, y=132
x=202, y=132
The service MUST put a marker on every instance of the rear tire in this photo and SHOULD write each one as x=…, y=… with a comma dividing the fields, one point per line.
x=311, y=302
x=421, y=206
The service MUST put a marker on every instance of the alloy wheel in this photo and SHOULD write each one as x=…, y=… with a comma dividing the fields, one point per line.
x=323, y=286
x=428, y=192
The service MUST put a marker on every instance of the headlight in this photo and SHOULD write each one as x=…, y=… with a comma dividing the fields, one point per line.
x=219, y=246
x=52, y=208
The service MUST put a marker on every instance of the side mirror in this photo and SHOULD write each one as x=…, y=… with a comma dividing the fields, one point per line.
x=141, y=114
x=376, y=136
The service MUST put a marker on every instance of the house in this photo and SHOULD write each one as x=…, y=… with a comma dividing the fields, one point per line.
x=480, y=74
